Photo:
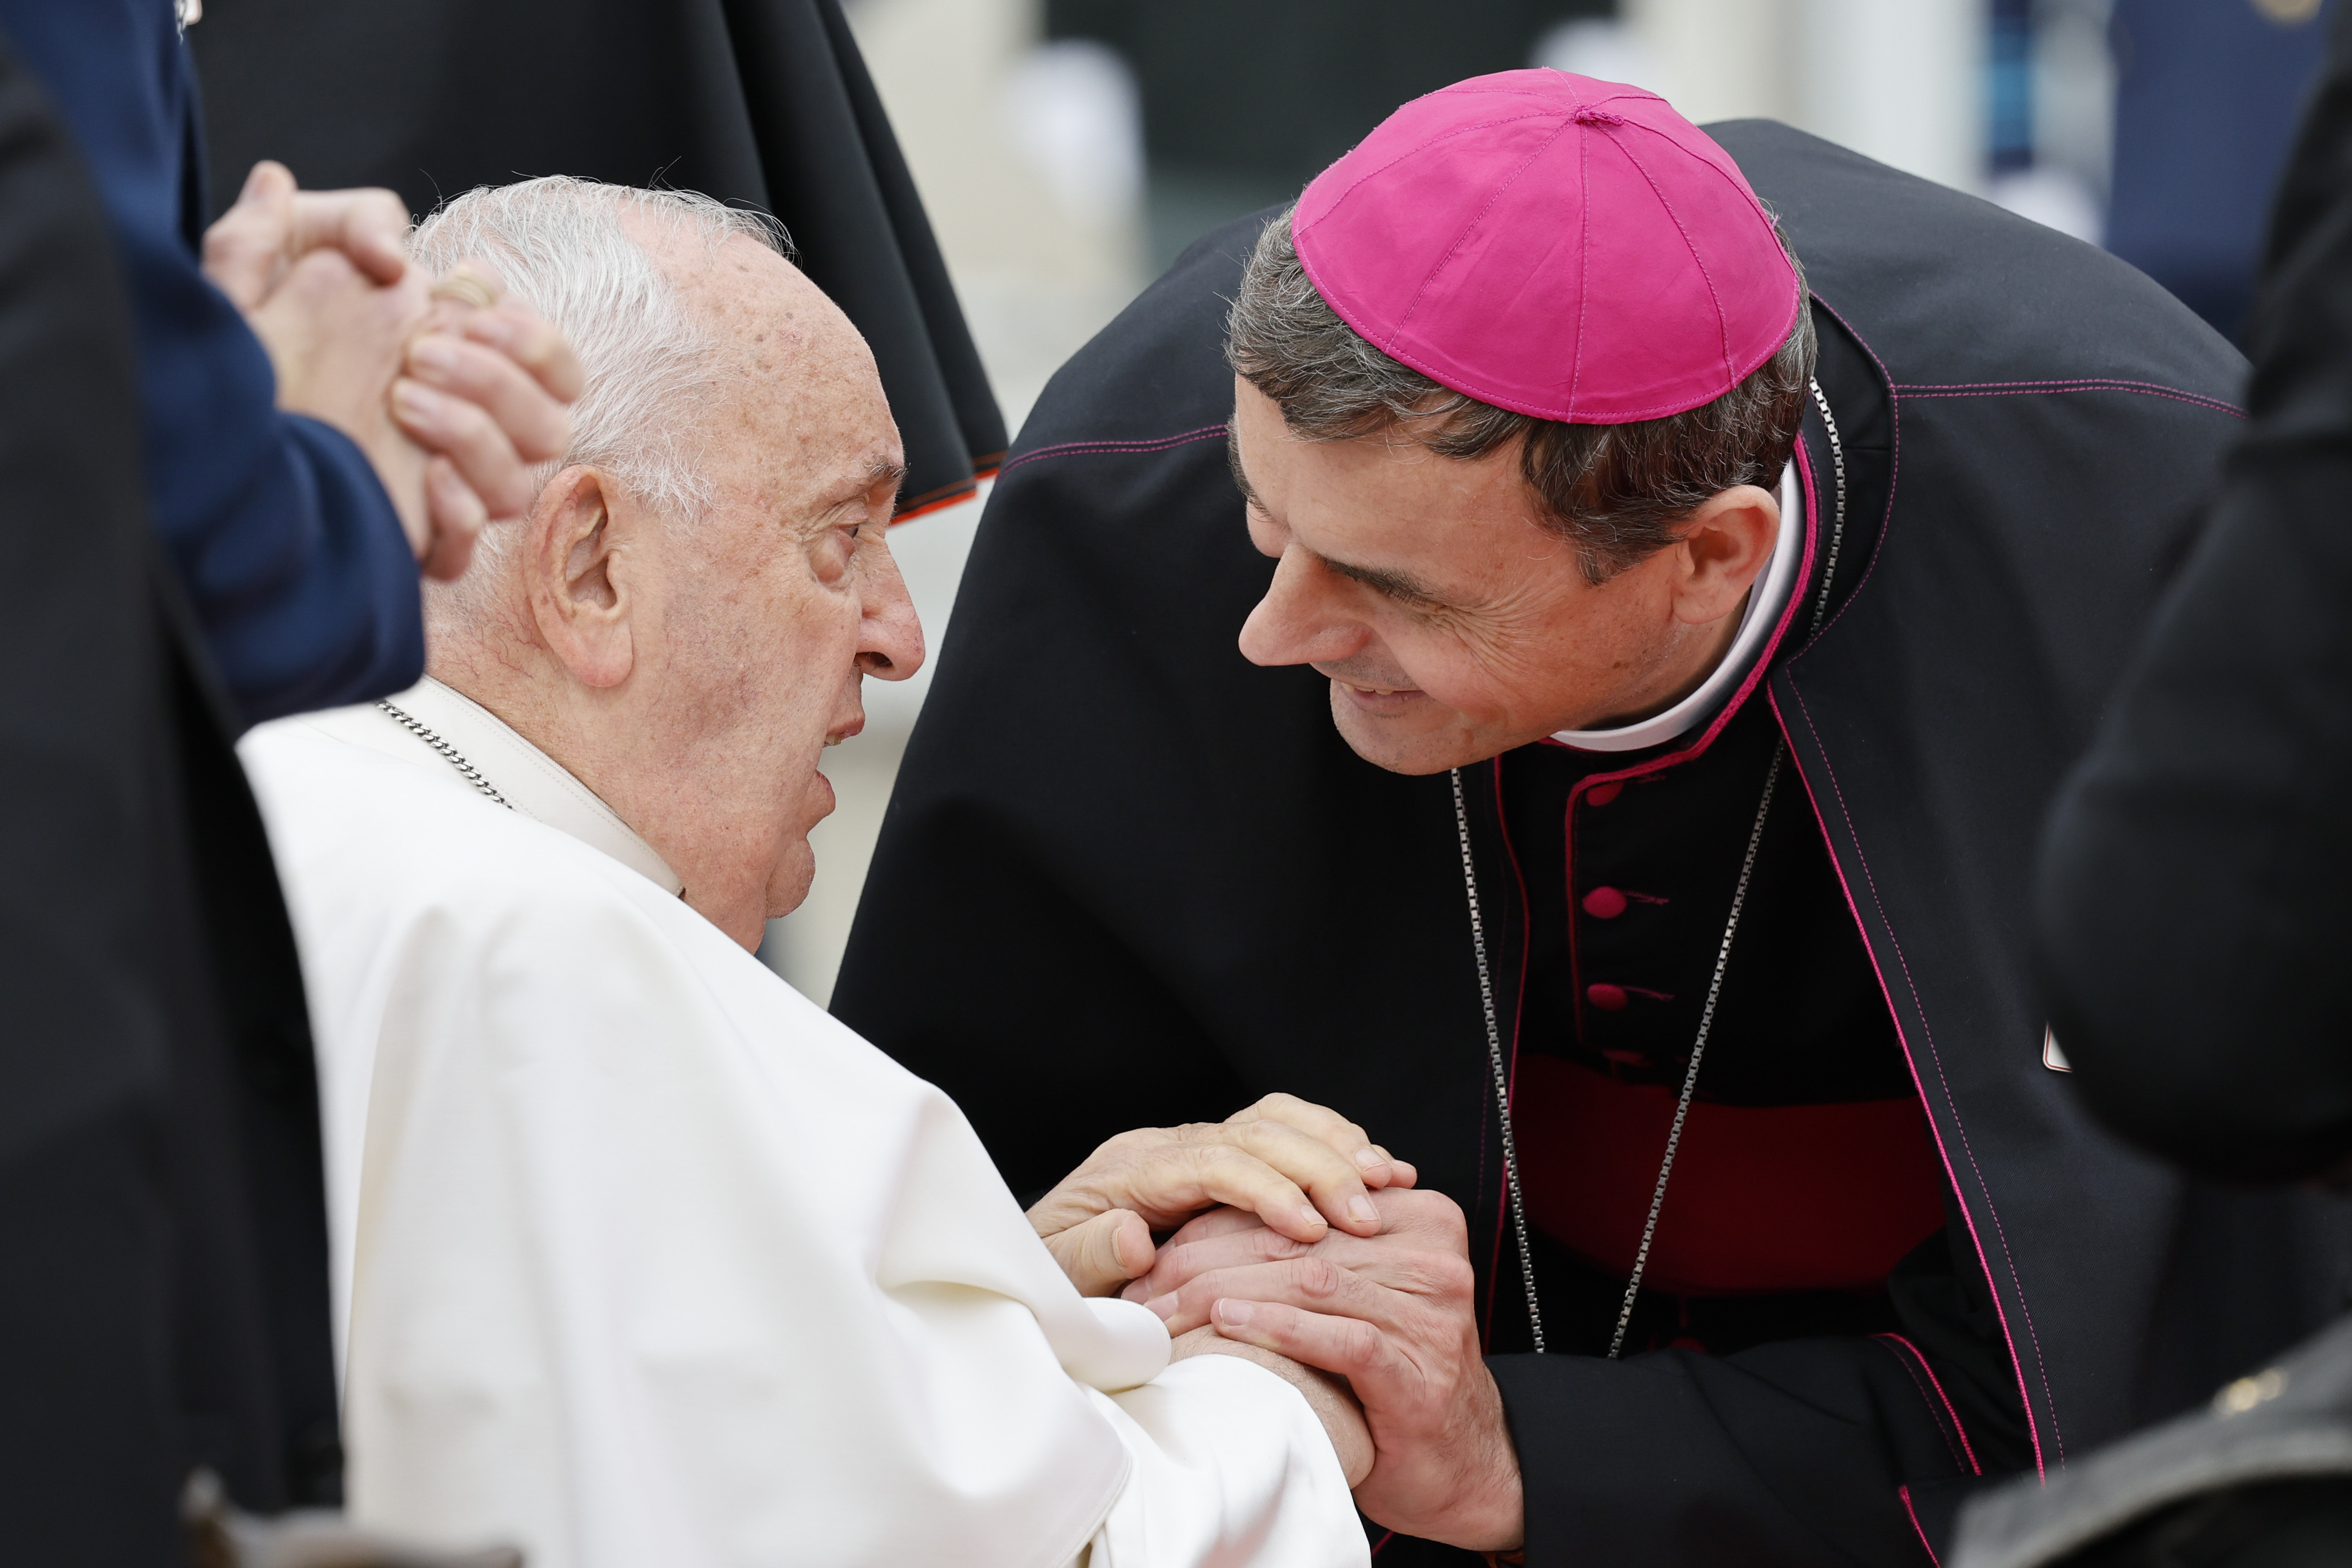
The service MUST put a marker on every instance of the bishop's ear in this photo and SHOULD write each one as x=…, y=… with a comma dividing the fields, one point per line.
x=579, y=592
x=1725, y=543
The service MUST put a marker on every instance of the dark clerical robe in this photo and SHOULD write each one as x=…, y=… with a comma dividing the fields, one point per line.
x=764, y=104
x=1127, y=877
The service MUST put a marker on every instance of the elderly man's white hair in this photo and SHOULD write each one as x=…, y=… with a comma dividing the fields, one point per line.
x=564, y=245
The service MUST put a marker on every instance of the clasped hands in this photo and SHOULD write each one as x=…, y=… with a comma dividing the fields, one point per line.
x=1318, y=1258
x=453, y=400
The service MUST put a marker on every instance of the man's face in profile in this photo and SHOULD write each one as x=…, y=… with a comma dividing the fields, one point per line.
x=1451, y=624
x=783, y=596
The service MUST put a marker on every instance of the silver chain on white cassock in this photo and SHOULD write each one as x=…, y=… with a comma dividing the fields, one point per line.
x=1713, y=990
x=465, y=770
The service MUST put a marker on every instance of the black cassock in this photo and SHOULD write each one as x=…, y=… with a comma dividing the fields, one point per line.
x=759, y=102
x=1128, y=878
x=163, y=1224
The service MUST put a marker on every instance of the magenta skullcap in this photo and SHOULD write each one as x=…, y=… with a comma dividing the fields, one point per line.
x=1559, y=247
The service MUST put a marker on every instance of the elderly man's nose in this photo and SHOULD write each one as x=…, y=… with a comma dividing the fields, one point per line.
x=892, y=649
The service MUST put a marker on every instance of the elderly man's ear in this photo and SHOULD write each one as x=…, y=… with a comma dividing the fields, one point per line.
x=580, y=590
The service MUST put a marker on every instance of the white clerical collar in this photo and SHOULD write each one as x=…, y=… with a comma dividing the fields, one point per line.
x=527, y=778
x=1765, y=602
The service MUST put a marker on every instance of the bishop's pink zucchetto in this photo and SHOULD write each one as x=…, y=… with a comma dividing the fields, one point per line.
x=1562, y=247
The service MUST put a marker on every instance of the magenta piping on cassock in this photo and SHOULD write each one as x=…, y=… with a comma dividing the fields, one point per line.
x=1928, y=1368
x=1913, y=1515
x=2087, y=384
x=1984, y=1260
x=1141, y=444
x=1919, y=1084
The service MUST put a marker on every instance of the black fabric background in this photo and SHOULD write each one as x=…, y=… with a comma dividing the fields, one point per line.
x=163, y=1240
x=764, y=104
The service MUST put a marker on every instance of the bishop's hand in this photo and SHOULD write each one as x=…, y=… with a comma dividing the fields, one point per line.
x=1392, y=1313
x=1297, y=1167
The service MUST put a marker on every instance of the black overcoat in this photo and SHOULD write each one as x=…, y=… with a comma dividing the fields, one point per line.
x=163, y=1294
x=1128, y=878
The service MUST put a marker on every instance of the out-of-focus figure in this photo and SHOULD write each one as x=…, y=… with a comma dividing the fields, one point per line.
x=162, y=1247
x=2207, y=96
x=2191, y=918
x=294, y=507
x=218, y=494
x=2192, y=923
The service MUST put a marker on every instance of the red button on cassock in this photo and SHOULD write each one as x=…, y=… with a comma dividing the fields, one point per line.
x=1608, y=998
x=1602, y=794
x=1604, y=903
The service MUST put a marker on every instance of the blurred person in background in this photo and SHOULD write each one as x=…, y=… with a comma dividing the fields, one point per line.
x=1721, y=642
x=163, y=1253
x=2190, y=916
x=2186, y=908
x=220, y=511
x=1228, y=130
x=2207, y=99
x=761, y=103
x=292, y=499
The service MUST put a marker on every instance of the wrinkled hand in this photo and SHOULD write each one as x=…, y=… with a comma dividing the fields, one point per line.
x=486, y=393
x=1342, y=1417
x=1393, y=1314
x=252, y=247
x=452, y=403
x=337, y=340
x=1299, y=1167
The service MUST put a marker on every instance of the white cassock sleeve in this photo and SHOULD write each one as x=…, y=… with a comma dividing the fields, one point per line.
x=1217, y=1427
x=644, y=1261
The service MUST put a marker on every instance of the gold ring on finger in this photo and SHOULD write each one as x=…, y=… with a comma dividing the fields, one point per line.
x=465, y=287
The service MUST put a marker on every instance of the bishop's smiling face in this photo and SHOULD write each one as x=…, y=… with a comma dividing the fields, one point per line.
x=1452, y=624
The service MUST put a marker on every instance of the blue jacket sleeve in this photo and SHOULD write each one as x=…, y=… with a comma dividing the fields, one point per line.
x=286, y=543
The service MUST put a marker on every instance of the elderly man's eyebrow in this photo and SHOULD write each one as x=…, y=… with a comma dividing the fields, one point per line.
x=854, y=489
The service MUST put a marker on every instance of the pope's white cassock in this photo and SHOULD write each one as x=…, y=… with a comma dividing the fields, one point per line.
x=644, y=1261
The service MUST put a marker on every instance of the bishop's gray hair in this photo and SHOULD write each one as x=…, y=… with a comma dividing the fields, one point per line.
x=1619, y=492
x=565, y=246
